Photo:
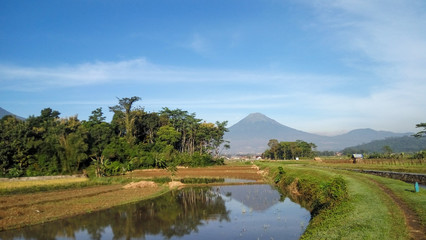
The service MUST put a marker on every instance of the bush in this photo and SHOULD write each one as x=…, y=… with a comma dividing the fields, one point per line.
x=14, y=172
x=419, y=155
x=335, y=191
x=199, y=160
x=202, y=180
x=280, y=174
x=162, y=180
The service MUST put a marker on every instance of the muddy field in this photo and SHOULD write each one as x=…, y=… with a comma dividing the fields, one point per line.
x=19, y=210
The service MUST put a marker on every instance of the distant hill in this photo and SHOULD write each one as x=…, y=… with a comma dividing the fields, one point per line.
x=359, y=136
x=251, y=135
x=397, y=144
x=4, y=112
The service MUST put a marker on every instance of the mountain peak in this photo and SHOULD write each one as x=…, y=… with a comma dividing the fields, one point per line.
x=257, y=120
x=257, y=117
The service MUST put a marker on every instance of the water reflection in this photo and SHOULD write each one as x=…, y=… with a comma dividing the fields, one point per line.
x=226, y=212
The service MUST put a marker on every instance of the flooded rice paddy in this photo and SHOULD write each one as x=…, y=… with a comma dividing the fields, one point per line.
x=256, y=211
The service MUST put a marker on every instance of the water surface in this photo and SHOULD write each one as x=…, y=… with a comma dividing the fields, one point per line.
x=221, y=212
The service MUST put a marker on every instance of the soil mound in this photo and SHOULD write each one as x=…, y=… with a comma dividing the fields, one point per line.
x=141, y=184
x=175, y=184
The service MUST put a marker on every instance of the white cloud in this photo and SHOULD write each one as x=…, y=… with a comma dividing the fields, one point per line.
x=301, y=99
x=390, y=35
x=388, y=40
x=140, y=71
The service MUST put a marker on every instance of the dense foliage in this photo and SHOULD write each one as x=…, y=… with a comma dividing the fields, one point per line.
x=288, y=150
x=421, y=133
x=48, y=144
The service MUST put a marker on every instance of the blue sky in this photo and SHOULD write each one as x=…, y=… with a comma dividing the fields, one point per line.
x=318, y=66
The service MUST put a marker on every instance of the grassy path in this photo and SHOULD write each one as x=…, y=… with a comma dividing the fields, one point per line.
x=412, y=219
x=373, y=210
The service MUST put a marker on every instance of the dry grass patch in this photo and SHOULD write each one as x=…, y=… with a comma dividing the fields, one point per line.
x=8, y=185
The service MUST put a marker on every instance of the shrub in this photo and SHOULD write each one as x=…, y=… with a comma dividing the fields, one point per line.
x=335, y=190
x=280, y=174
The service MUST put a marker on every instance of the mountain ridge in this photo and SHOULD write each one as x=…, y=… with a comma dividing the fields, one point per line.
x=252, y=133
x=4, y=112
x=396, y=144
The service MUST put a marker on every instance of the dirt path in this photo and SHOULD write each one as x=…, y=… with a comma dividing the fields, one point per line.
x=412, y=220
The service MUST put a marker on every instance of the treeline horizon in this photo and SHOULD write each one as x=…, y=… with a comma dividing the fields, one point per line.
x=50, y=145
x=288, y=150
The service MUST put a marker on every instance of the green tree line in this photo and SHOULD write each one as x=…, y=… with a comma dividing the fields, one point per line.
x=288, y=150
x=50, y=145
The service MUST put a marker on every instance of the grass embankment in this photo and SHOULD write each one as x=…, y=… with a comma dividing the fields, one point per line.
x=368, y=212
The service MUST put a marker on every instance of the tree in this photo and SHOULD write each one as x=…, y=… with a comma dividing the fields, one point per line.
x=14, y=153
x=273, y=145
x=217, y=138
x=97, y=116
x=288, y=150
x=185, y=124
x=164, y=150
x=43, y=143
x=124, y=110
x=387, y=149
x=73, y=144
x=421, y=133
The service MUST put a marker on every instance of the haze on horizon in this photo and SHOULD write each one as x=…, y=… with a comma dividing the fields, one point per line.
x=320, y=67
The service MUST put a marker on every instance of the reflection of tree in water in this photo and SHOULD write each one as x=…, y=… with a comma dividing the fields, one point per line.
x=175, y=214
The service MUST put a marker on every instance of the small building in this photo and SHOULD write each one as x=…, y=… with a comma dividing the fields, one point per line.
x=357, y=158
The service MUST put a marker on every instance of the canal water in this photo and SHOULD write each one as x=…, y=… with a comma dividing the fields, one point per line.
x=256, y=211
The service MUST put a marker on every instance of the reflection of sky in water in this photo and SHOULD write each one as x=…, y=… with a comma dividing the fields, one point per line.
x=280, y=221
x=255, y=213
x=252, y=212
x=256, y=197
x=237, y=180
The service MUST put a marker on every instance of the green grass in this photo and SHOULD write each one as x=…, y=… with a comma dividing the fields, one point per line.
x=367, y=213
x=405, y=191
x=202, y=180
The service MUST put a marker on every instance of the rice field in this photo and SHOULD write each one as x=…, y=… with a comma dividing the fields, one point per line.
x=16, y=184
